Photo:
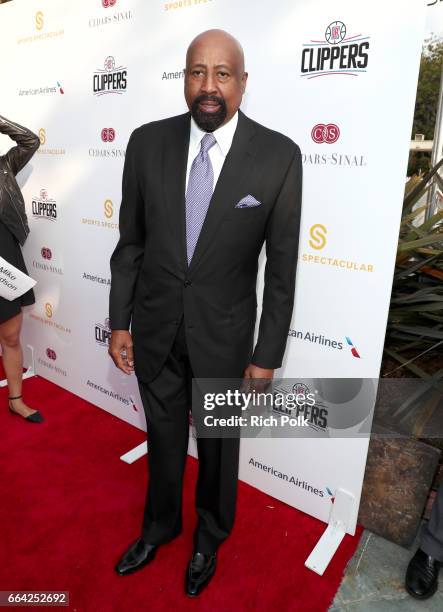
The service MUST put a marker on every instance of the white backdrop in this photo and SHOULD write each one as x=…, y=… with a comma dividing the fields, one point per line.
x=339, y=114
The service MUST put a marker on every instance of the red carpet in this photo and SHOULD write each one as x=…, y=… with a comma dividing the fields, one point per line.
x=70, y=507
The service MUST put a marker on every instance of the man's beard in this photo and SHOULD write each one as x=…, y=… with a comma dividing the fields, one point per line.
x=208, y=122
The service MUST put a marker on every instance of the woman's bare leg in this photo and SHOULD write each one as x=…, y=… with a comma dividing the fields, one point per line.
x=13, y=361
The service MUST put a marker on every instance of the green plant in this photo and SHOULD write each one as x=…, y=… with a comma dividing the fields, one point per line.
x=415, y=321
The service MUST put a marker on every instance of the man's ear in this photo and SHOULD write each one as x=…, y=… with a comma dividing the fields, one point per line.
x=244, y=81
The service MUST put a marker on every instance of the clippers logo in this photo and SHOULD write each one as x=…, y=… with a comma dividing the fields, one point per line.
x=353, y=349
x=317, y=233
x=313, y=410
x=335, y=32
x=51, y=354
x=325, y=133
x=102, y=333
x=46, y=253
x=44, y=207
x=108, y=3
x=110, y=79
x=48, y=310
x=337, y=54
x=108, y=134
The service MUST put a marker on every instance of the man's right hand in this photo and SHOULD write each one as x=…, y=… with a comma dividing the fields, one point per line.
x=121, y=350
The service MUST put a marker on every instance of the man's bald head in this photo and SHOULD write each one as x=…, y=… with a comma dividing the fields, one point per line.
x=221, y=38
x=215, y=78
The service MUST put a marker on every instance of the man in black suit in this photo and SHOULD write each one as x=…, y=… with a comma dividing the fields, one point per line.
x=202, y=192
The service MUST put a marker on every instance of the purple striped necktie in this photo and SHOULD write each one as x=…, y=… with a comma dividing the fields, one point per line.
x=199, y=193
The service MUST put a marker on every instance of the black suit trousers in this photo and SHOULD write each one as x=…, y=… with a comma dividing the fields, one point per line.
x=432, y=532
x=167, y=401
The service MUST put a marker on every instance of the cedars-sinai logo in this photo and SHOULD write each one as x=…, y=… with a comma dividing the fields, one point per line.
x=108, y=3
x=337, y=54
x=111, y=79
x=46, y=253
x=51, y=354
x=325, y=133
x=108, y=134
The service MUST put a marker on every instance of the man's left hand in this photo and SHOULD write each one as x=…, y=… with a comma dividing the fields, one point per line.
x=257, y=378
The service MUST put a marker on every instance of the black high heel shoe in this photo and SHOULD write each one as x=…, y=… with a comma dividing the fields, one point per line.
x=35, y=417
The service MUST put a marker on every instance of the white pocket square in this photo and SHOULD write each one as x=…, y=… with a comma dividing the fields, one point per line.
x=247, y=202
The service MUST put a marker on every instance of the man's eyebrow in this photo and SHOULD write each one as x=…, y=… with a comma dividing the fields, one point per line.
x=199, y=65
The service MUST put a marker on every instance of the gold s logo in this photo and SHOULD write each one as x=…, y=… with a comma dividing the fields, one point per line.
x=48, y=310
x=317, y=233
x=109, y=209
x=39, y=20
x=42, y=136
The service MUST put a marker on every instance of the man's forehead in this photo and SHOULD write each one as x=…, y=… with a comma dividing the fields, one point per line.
x=212, y=58
x=215, y=48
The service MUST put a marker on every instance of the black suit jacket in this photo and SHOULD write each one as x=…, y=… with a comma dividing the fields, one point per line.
x=152, y=285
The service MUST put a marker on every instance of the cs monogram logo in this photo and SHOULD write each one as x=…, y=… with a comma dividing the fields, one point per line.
x=51, y=354
x=318, y=236
x=108, y=3
x=46, y=253
x=108, y=134
x=328, y=133
x=42, y=136
x=39, y=20
x=109, y=208
x=48, y=310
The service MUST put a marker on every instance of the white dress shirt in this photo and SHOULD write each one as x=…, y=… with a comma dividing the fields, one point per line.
x=218, y=152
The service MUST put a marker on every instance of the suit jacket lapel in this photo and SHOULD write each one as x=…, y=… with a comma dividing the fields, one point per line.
x=235, y=171
x=175, y=158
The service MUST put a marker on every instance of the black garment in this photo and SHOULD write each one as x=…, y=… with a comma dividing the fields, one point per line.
x=12, y=205
x=11, y=251
x=151, y=281
x=432, y=531
x=167, y=402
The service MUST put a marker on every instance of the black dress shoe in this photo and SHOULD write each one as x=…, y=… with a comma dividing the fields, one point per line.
x=200, y=570
x=422, y=575
x=137, y=556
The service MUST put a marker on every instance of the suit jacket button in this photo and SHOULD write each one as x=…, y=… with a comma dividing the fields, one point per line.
x=187, y=283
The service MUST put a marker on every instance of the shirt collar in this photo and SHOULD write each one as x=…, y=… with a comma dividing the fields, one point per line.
x=223, y=135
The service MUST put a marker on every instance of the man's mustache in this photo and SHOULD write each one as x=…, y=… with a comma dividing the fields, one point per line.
x=204, y=98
